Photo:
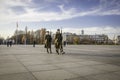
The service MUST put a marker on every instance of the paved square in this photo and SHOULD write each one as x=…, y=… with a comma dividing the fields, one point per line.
x=81, y=62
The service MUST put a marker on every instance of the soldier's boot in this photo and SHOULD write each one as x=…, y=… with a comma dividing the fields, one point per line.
x=57, y=51
x=47, y=51
x=50, y=51
x=62, y=52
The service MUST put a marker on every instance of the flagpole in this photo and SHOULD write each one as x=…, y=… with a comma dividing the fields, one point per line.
x=16, y=32
x=26, y=35
x=61, y=30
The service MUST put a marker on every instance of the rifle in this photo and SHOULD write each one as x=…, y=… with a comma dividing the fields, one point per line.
x=61, y=31
x=62, y=39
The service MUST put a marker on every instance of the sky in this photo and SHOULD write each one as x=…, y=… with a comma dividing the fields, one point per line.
x=92, y=16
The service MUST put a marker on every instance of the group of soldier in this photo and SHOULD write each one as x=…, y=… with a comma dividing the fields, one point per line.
x=58, y=42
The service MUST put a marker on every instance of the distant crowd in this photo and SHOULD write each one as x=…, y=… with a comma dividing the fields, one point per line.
x=9, y=42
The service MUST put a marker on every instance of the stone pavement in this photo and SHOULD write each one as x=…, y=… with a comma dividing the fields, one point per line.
x=81, y=62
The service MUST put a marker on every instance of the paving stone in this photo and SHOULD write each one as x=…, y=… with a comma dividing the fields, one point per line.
x=28, y=63
x=9, y=64
x=18, y=76
x=81, y=62
x=68, y=65
x=107, y=76
x=54, y=75
x=88, y=63
x=7, y=58
x=117, y=73
x=41, y=67
x=77, y=78
x=85, y=71
x=13, y=69
x=107, y=67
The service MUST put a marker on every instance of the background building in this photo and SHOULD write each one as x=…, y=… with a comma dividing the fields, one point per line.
x=118, y=39
x=27, y=37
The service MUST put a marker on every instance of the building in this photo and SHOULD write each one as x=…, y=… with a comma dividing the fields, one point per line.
x=36, y=36
x=66, y=35
x=69, y=37
x=82, y=32
x=118, y=39
x=72, y=38
x=18, y=32
x=97, y=39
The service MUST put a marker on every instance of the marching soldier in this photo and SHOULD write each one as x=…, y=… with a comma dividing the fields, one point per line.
x=48, y=41
x=58, y=42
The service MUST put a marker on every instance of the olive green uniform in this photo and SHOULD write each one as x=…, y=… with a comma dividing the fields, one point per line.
x=58, y=42
x=48, y=41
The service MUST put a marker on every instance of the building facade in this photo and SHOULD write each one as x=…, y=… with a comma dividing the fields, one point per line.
x=118, y=39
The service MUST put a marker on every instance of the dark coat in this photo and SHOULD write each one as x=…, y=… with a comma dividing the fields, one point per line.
x=58, y=40
x=48, y=41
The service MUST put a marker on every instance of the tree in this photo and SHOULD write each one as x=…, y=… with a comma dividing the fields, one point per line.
x=76, y=40
x=42, y=35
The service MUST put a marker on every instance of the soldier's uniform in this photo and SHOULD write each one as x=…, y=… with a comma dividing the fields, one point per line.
x=48, y=41
x=58, y=42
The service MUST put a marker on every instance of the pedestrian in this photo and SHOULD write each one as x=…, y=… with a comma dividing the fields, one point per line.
x=10, y=42
x=58, y=42
x=48, y=41
x=34, y=43
x=7, y=43
x=64, y=43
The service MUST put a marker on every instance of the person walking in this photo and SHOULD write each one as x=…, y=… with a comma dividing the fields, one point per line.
x=34, y=43
x=64, y=43
x=10, y=42
x=7, y=41
x=48, y=41
x=58, y=42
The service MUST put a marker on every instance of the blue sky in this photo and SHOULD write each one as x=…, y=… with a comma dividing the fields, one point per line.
x=94, y=16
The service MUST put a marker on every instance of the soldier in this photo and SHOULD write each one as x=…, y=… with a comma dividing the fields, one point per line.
x=48, y=41
x=58, y=42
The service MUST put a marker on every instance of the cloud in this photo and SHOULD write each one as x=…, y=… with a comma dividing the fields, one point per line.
x=7, y=9
x=32, y=15
x=26, y=12
x=109, y=7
